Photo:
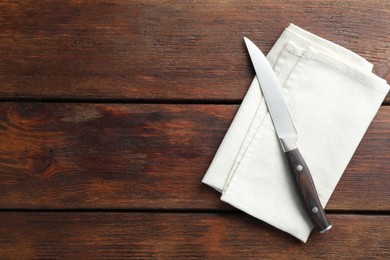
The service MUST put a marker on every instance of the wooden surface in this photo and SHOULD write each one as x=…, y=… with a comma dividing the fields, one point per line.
x=166, y=49
x=111, y=112
x=144, y=156
x=183, y=236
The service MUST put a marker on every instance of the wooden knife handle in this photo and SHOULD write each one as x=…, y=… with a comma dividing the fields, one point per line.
x=307, y=192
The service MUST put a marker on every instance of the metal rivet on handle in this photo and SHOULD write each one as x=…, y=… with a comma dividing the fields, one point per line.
x=299, y=168
x=314, y=209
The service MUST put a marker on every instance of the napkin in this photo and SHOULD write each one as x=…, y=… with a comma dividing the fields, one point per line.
x=332, y=95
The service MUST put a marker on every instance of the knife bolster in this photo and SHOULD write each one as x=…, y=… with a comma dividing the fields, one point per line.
x=288, y=142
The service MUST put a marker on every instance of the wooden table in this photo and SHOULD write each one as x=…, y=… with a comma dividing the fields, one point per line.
x=111, y=112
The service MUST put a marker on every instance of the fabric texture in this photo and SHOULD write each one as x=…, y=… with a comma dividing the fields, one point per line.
x=332, y=96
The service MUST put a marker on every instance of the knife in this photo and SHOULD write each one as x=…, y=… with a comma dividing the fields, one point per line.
x=288, y=137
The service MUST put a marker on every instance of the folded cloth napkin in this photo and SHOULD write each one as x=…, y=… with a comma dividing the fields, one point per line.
x=332, y=96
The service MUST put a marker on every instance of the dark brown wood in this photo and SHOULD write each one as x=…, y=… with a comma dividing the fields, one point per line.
x=138, y=156
x=182, y=236
x=166, y=49
x=306, y=191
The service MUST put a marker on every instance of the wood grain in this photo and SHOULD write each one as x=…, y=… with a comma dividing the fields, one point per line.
x=138, y=156
x=117, y=181
x=183, y=236
x=306, y=191
x=166, y=50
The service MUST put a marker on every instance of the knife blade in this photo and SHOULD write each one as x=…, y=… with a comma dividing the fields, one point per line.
x=288, y=137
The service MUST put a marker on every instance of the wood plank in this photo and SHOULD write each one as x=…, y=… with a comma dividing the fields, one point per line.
x=166, y=49
x=183, y=235
x=58, y=155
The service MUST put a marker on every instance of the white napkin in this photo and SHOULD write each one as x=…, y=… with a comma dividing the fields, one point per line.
x=332, y=96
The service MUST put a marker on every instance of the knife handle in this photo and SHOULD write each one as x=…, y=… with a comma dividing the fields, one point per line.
x=307, y=192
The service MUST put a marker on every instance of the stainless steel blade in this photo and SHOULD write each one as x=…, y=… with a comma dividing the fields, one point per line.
x=274, y=98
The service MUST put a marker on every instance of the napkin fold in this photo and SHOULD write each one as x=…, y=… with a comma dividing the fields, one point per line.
x=333, y=97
